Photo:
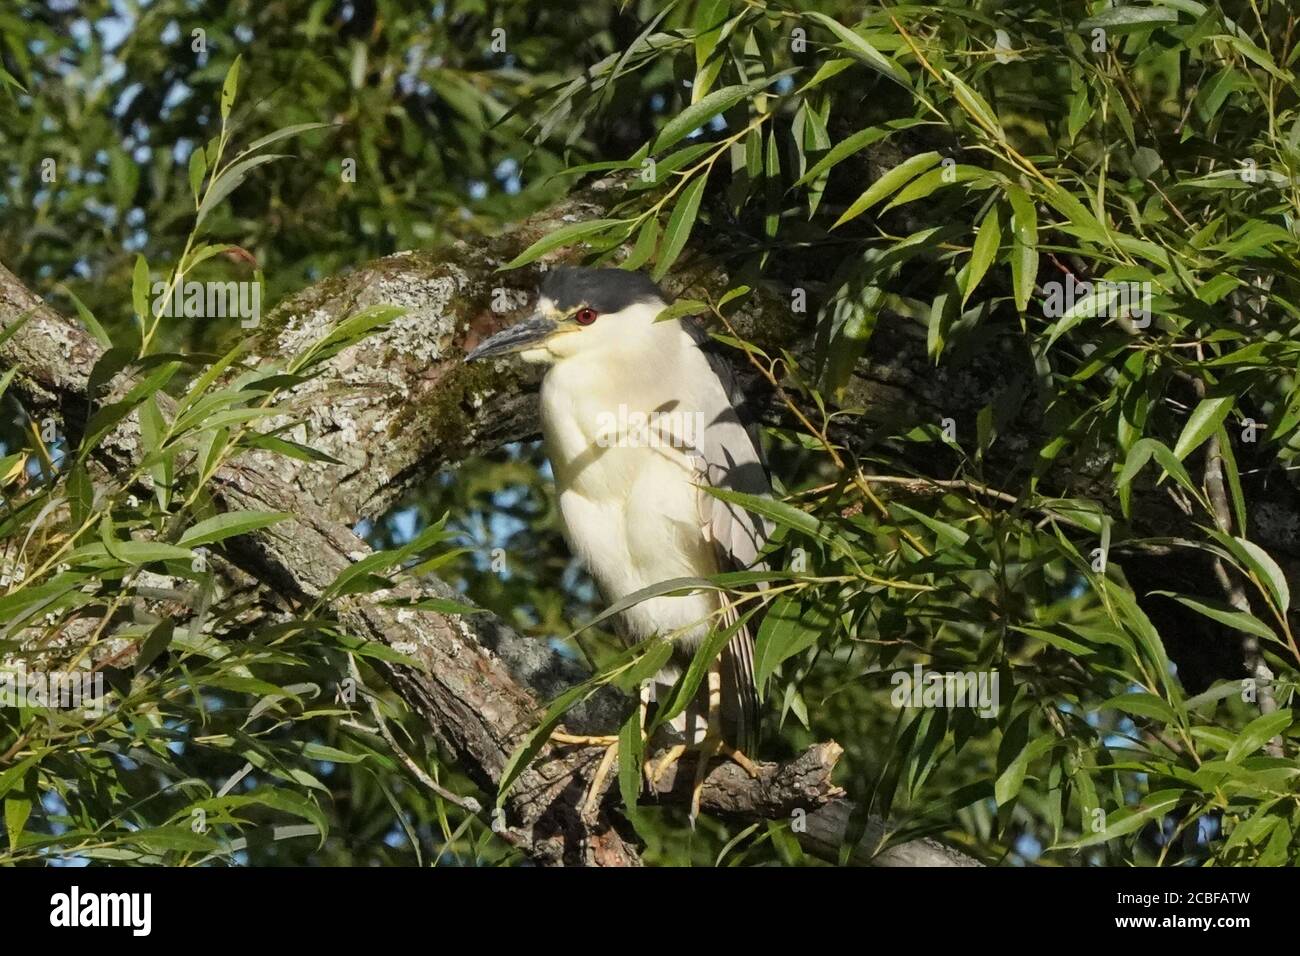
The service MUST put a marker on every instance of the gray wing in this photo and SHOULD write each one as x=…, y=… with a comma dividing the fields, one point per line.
x=732, y=458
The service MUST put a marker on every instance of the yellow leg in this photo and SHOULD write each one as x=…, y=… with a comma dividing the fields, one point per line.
x=647, y=770
x=707, y=749
x=597, y=787
x=712, y=741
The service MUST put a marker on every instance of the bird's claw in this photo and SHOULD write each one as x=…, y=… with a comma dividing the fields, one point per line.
x=708, y=748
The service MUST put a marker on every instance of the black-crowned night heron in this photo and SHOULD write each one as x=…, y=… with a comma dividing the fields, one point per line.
x=636, y=418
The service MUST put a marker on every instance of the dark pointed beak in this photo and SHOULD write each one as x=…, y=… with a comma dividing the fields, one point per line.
x=532, y=331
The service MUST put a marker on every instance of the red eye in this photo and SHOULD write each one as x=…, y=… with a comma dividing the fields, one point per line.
x=586, y=316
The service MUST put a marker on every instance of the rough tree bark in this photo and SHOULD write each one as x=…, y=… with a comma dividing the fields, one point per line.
x=392, y=409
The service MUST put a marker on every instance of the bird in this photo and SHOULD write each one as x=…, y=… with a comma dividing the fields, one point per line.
x=638, y=417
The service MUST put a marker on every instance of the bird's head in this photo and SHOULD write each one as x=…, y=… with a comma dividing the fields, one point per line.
x=580, y=311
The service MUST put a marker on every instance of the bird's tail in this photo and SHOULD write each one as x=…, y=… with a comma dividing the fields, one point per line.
x=739, y=693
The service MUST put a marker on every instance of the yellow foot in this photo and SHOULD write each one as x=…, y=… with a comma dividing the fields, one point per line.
x=577, y=740
x=706, y=750
x=740, y=759
x=673, y=755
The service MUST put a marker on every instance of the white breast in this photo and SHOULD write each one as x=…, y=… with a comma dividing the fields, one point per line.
x=633, y=512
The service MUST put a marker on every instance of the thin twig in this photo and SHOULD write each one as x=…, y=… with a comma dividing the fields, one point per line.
x=468, y=804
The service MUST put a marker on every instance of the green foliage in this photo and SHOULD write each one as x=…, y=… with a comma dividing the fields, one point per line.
x=947, y=169
x=193, y=736
x=1054, y=152
x=211, y=738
